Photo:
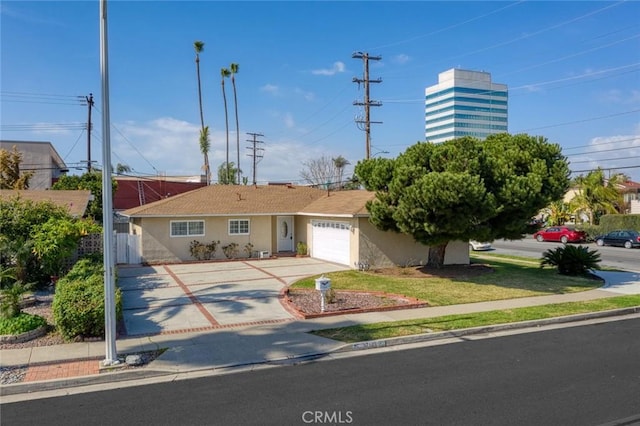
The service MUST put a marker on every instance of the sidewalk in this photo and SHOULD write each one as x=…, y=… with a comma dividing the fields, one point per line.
x=259, y=344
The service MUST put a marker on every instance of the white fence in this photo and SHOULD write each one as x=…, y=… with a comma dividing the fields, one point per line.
x=128, y=249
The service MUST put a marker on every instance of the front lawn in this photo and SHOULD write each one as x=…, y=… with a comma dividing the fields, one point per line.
x=490, y=277
x=385, y=330
x=506, y=279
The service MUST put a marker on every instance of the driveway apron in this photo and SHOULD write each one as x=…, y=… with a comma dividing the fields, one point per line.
x=166, y=299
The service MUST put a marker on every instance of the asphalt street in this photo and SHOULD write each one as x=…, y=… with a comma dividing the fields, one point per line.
x=615, y=257
x=582, y=375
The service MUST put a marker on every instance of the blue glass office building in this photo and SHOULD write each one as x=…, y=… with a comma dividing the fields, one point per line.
x=465, y=103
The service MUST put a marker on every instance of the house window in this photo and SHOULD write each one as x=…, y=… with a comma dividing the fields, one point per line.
x=188, y=228
x=239, y=227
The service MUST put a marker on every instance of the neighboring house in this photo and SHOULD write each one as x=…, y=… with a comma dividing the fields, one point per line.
x=631, y=194
x=75, y=201
x=135, y=191
x=273, y=219
x=41, y=158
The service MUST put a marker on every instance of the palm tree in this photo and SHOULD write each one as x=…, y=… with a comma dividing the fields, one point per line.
x=557, y=213
x=595, y=196
x=340, y=163
x=224, y=73
x=198, y=46
x=226, y=178
x=234, y=70
x=205, y=145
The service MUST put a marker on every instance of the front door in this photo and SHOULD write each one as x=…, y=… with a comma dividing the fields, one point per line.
x=285, y=233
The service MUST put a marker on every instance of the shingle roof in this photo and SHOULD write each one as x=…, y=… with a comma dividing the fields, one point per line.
x=74, y=200
x=224, y=200
x=349, y=203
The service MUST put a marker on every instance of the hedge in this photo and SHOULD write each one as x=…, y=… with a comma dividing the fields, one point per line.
x=78, y=305
x=611, y=222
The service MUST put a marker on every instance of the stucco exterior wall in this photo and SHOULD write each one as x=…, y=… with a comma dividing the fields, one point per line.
x=367, y=244
x=158, y=246
x=386, y=249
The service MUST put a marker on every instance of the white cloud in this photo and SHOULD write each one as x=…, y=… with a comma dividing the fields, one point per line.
x=618, y=153
x=309, y=96
x=283, y=161
x=166, y=145
x=271, y=88
x=338, y=67
x=401, y=58
x=288, y=120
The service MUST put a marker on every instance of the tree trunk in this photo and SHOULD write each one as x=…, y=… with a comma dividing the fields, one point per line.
x=436, y=256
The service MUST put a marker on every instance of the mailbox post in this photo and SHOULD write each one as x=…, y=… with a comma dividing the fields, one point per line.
x=322, y=284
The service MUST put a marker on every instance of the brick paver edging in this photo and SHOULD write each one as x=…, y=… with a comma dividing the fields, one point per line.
x=412, y=303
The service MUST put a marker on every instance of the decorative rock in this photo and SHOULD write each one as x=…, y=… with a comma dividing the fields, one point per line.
x=134, y=360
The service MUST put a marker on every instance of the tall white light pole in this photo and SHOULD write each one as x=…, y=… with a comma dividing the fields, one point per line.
x=111, y=357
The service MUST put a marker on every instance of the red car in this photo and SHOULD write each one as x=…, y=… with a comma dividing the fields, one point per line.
x=564, y=234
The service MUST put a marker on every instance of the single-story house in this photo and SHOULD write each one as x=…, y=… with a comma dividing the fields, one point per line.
x=75, y=201
x=274, y=219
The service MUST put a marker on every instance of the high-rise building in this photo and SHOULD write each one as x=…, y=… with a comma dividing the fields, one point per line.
x=464, y=103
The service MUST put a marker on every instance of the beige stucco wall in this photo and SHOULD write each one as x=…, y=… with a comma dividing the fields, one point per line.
x=158, y=246
x=377, y=248
x=384, y=249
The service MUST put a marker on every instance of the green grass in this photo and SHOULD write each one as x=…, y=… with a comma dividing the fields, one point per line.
x=385, y=330
x=510, y=279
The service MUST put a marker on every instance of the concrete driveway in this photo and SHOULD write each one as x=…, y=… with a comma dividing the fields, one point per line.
x=204, y=296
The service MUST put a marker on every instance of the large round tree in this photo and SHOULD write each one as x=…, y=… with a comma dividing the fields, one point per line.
x=464, y=189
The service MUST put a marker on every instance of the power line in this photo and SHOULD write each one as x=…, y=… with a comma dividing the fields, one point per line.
x=602, y=117
x=602, y=150
x=605, y=159
x=602, y=143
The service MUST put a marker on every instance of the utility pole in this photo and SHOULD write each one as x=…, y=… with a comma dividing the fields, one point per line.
x=367, y=102
x=89, y=100
x=256, y=152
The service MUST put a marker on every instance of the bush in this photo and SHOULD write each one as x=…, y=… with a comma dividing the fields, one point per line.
x=301, y=248
x=21, y=323
x=78, y=305
x=85, y=268
x=200, y=251
x=571, y=260
x=231, y=250
x=11, y=297
x=611, y=222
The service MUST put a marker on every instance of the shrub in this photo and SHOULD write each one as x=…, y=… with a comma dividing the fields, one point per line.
x=21, y=323
x=301, y=248
x=85, y=268
x=201, y=251
x=230, y=250
x=571, y=260
x=248, y=248
x=78, y=305
x=11, y=297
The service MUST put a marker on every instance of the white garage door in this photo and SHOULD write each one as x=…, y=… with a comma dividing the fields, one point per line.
x=330, y=241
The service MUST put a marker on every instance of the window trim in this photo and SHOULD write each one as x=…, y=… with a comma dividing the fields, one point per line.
x=188, y=234
x=239, y=221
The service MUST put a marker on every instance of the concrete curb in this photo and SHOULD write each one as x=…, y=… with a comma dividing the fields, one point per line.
x=149, y=372
x=417, y=338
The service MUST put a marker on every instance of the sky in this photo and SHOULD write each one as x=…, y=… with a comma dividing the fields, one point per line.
x=572, y=69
